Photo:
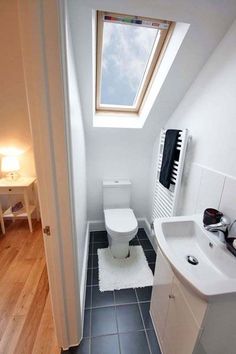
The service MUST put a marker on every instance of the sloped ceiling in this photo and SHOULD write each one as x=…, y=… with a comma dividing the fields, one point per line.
x=209, y=21
x=113, y=152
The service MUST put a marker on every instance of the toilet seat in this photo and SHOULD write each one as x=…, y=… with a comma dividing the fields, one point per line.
x=121, y=222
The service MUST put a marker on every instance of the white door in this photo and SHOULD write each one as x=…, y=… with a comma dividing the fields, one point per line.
x=162, y=288
x=181, y=329
x=40, y=38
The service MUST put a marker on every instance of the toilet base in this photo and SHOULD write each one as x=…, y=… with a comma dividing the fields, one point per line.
x=119, y=249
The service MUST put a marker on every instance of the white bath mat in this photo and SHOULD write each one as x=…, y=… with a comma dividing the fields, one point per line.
x=131, y=272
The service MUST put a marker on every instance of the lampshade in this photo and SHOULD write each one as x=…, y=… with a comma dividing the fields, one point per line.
x=10, y=164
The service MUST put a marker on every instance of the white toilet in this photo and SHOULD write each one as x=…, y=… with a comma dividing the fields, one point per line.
x=120, y=221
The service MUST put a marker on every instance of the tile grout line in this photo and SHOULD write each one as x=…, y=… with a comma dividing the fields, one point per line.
x=114, y=297
x=116, y=333
x=123, y=304
x=145, y=330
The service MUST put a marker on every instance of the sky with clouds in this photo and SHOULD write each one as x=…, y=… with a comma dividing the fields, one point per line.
x=126, y=50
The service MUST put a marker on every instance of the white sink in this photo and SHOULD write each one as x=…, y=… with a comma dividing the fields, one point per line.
x=179, y=237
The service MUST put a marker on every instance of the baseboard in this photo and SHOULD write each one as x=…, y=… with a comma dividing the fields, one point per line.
x=21, y=218
x=83, y=281
x=96, y=225
x=143, y=222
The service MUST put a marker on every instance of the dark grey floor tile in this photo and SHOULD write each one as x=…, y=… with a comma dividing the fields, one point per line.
x=151, y=256
x=142, y=234
x=98, y=245
x=152, y=266
x=83, y=348
x=155, y=348
x=87, y=323
x=88, y=298
x=90, y=248
x=134, y=242
x=129, y=318
x=89, y=277
x=105, y=298
x=146, y=244
x=105, y=345
x=145, y=307
x=103, y=321
x=95, y=261
x=135, y=238
x=144, y=294
x=95, y=279
x=100, y=236
x=134, y=343
x=90, y=261
x=125, y=296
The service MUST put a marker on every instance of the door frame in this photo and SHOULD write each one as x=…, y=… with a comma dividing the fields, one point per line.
x=40, y=35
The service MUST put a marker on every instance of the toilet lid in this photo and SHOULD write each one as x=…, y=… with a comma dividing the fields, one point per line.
x=120, y=220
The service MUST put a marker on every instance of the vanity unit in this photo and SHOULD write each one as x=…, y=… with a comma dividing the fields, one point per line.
x=193, y=305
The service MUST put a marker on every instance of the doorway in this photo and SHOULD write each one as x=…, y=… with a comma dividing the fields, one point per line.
x=44, y=110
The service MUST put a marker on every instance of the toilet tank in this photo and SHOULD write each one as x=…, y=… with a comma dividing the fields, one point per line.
x=116, y=194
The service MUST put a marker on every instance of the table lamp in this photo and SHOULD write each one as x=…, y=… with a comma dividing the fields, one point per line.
x=10, y=165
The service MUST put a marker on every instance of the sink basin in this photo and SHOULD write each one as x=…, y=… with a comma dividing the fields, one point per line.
x=196, y=255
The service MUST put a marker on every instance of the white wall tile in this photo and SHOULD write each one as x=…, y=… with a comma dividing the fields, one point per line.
x=228, y=200
x=210, y=190
x=203, y=188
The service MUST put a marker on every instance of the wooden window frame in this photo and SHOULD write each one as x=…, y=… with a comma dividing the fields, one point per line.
x=150, y=71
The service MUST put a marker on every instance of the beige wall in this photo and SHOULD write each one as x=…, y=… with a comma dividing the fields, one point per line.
x=14, y=121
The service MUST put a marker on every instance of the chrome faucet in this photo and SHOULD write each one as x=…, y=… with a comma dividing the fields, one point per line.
x=223, y=225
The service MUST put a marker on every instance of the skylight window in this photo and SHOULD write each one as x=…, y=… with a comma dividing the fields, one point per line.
x=129, y=49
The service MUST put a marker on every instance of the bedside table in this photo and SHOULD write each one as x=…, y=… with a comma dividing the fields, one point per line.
x=21, y=186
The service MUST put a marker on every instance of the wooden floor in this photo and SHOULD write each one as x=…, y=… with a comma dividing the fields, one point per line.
x=26, y=324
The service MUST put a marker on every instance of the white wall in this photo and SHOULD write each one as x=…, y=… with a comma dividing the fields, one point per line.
x=208, y=111
x=126, y=153
x=78, y=159
x=117, y=154
x=14, y=119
